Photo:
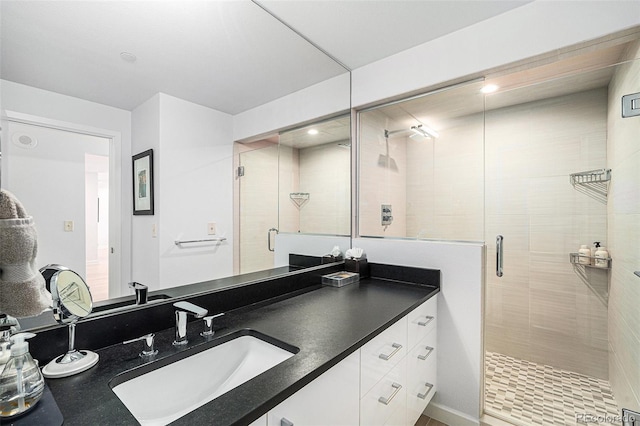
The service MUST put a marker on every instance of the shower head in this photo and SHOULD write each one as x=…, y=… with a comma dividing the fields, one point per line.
x=425, y=131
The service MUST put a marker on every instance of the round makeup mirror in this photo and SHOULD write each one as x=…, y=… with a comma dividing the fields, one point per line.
x=71, y=301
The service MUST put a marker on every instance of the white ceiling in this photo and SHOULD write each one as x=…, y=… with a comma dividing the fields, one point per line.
x=228, y=55
x=359, y=32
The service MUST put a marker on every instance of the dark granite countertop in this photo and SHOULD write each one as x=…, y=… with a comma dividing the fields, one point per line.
x=325, y=323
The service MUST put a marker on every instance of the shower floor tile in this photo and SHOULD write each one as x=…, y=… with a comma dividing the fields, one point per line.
x=528, y=393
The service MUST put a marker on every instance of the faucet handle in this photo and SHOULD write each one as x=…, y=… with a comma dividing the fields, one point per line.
x=208, y=325
x=148, y=349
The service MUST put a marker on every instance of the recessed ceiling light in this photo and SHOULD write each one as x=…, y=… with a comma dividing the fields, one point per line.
x=128, y=57
x=489, y=88
x=312, y=132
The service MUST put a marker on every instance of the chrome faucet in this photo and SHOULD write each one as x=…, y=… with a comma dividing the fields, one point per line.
x=141, y=292
x=182, y=310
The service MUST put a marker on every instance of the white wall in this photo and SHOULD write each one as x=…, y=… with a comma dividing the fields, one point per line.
x=322, y=99
x=53, y=106
x=529, y=30
x=458, y=399
x=193, y=177
x=145, y=253
x=195, y=180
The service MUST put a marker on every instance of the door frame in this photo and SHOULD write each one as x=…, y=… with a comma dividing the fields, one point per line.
x=115, y=183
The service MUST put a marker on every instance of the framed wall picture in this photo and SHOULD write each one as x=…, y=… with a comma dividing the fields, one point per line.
x=143, y=183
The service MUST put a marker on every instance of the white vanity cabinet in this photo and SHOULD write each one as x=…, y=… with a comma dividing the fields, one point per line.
x=388, y=381
x=397, y=386
x=331, y=399
x=421, y=360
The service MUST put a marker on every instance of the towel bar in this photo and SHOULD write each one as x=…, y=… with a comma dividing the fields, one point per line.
x=207, y=240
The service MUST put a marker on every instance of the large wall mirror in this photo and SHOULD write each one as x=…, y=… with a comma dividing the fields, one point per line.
x=87, y=85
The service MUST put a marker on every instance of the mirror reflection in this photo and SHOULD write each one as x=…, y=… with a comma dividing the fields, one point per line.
x=309, y=194
x=422, y=166
x=79, y=104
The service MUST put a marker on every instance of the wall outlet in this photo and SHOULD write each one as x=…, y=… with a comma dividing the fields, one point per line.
x=154, y=231
x=211, y=228
x=68, y=226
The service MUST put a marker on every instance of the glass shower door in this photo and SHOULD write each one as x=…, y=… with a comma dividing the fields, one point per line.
x=548, y=318
x=258, y=210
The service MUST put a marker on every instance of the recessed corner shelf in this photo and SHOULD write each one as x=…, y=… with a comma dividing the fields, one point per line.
x=299, y=198
x=595, y=182
x=575, y=258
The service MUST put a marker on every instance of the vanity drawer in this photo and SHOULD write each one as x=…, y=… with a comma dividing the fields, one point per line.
x=422, y=377
x=422, y=320
x=391, y=389
x=381, y=354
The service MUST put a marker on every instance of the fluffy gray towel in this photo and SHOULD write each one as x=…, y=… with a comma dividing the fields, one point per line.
x=22, y=288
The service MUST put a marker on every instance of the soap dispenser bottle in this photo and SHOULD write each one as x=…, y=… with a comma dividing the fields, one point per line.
x=602, y=257
x=594, y=249
x=21, y=382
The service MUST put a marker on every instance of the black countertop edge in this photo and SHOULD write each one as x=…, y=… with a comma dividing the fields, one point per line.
x=327, y=324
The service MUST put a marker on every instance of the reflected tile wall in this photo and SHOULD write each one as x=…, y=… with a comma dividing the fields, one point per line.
x=325, y=173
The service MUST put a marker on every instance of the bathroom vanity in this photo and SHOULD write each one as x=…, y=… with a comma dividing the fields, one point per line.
x=364, y=353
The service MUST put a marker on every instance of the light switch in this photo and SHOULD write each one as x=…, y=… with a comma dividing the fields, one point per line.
x=154, y=231
x=68, y=226
x=211, y=228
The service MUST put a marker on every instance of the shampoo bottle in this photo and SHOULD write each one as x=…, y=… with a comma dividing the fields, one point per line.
x=584, y=255
x=21, y=382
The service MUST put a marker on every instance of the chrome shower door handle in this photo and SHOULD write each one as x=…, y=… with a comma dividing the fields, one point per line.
x=499, y=255
x=269, y=238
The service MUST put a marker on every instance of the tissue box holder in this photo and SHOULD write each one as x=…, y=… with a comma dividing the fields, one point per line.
x=340, y=279
x=359, y=266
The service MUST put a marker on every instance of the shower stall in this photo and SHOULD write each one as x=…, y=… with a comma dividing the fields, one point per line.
x=542, y=165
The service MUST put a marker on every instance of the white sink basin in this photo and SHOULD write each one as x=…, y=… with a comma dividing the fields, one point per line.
x=168, y=393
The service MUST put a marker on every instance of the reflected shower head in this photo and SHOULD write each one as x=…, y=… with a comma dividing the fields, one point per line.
x=425, y=131
x=419, y=129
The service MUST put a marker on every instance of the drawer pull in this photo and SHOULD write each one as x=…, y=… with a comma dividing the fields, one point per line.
x=396, y=388
x=424, y=395
x=425, y=356
x=285, y=422
x=397, y=347
x=424, y=323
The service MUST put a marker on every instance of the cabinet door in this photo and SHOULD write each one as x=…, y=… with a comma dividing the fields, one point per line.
x=382, y=353
x=422, y=321
x=331, y=399
x=386, y=402
x=421, y=376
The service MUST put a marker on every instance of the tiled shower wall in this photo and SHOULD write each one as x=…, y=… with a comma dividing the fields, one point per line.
x=542, y=310
x=325, y=173
x=623, y=157
x=517, y=185
x=383, y=177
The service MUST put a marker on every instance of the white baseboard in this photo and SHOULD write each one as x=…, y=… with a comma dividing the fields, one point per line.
x=449, y=415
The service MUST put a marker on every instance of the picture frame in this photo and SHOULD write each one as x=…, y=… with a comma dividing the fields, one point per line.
x=142, y=166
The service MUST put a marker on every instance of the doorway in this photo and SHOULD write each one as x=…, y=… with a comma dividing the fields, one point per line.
x=63, y=180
